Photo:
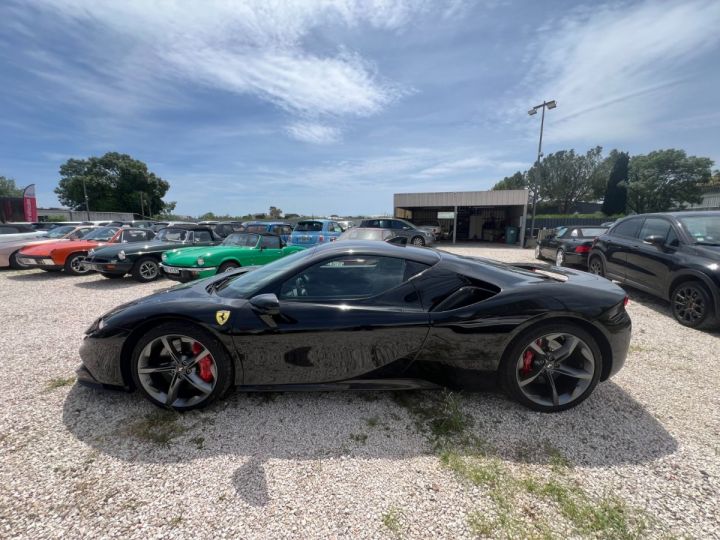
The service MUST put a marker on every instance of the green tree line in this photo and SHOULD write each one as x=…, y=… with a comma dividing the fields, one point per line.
x=655, y=182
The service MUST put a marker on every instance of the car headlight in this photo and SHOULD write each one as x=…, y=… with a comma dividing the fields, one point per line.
x=121, y=255
x=200, y=261
x=164, y=256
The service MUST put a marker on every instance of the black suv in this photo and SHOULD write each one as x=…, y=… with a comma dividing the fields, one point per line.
x=675, y=256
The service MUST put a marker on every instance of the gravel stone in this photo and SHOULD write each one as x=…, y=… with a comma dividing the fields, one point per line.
x=75, y=462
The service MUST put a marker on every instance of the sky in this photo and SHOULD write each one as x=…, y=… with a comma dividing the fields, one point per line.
x=331, y=106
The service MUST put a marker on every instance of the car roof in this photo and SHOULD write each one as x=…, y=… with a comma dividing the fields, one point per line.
x=371, y=247
x=323, y=220
x=677, y=214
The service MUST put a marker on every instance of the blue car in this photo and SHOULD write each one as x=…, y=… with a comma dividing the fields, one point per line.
x=280, y=228
x=315, y=231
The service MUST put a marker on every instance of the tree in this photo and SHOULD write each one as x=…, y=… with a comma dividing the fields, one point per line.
x=208, y=216
x=666, y=179
x=8, y=188
x=114, y=183
x=516, y=181
x=615, y=199
x=275, y=213
x=567, y=177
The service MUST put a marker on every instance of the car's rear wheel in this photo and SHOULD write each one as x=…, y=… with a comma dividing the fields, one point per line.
x=692, y=305
x=560, y=258
x=596, y=266
x=15, y=264
x=551, y=367
x=418, y=241
x=181, y=366
x=538, y=253
x=145, y=270
x=227, y=267
x=75, y=265
x=112, y=276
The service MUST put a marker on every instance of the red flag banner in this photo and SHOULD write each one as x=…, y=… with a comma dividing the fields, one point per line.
x=30, y=204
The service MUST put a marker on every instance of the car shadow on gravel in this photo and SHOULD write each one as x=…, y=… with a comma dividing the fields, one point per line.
x=106, y=284
x=37, y=275
x=248, y=430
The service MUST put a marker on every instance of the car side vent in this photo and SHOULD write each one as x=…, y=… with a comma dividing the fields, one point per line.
x=465, y=296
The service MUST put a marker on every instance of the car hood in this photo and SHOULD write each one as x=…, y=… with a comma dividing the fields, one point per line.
x=139, y=247
x=47, y=247
x=189, y=255
x=27, y=243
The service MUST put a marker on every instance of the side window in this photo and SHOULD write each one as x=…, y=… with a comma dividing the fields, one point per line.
x=349, y=277
x=628, y=228
x=272, y=242
x=276, y=229
x=397, y=225
x=655, y=227
x=202, y=236
x=287, y=229
x=574, y=233
x=335, y=227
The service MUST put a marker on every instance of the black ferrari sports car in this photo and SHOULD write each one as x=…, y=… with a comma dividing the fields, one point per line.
x=366, y=315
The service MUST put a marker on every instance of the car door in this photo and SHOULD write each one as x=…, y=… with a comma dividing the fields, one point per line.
x=344, y=317
x=618, y=243
x=268, y=249
x=649, y=264
x=548, y=247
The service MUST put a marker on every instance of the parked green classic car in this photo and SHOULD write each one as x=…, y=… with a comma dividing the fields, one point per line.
x=238, y=249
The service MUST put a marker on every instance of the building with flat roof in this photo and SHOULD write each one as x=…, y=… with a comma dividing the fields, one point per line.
x=488, y=216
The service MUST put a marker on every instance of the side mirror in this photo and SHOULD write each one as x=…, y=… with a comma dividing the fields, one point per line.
x=266, y=304
x=654, y=240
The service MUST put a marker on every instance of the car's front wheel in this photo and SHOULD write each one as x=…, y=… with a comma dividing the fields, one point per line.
x=560, y=258
x=227, y=267
x=551, y=367
x=538, y=253
x=15, y=264
x=181, y=366
x=692, y=305
x=146, y=270
x=418, y=241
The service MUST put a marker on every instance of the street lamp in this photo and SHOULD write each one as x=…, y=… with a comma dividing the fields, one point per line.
x=549, y=105
x=87, y=205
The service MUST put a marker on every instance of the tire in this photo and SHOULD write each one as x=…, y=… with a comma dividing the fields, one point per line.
x=560, y=257
x=159, y=370
x=535, y=370
x=418, y=241
x=692, y=305
x=145, y=270
x=112, y=276
x=227, y=266
x=74, y=267
x=538, y=254
x=15, y=264
x=596, y=266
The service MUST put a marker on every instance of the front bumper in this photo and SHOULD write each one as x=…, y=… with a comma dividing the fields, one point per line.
x=115, y=267
x=185, y=274
x=101, y=359
x=39, y=262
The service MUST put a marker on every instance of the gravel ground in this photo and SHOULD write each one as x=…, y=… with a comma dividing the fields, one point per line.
x=640, y=458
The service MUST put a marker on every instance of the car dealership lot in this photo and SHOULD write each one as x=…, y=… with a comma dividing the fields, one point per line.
x=645, y=448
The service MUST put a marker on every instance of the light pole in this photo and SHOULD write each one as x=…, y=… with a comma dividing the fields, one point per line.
x=550, y=105
x=87, y=205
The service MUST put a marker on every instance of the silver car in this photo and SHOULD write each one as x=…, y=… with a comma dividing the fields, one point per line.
x=10, y=249
x=400, y=227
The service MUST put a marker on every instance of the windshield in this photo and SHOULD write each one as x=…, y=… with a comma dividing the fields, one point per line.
x=703, y=229
x=306, y=226
x=247, y=285
x=172, y=235
x=241, y=239
x=59, y=232
x=102, y=234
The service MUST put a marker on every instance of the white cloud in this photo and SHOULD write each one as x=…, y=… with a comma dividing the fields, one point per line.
x=136, y=53
x=614, y=69
x=313, y=133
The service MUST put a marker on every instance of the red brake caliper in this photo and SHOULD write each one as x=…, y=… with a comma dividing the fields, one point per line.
x=527, y=360
x=204, y=364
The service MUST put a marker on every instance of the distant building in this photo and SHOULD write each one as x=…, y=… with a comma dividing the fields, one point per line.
x=711, y=199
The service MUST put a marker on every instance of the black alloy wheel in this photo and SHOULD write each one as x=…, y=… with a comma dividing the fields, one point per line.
x=552, y=367
x=75, y=265
x=560, y=258
x=596, y=266
x=692, y=305
x=181, y=366
x=227, y=267
x=418, y=241
x=146, y=270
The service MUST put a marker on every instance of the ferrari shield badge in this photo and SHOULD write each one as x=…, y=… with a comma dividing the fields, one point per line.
x=222, y=316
